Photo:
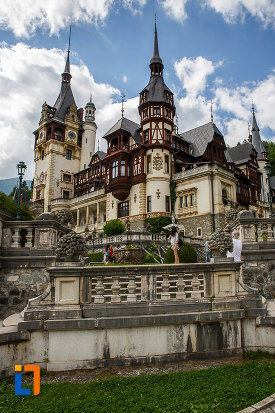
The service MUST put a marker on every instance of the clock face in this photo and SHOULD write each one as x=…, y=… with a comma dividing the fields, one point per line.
x=71, y=134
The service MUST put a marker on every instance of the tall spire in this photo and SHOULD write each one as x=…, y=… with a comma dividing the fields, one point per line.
x=211, y=111
x=156, y=64
x=66, y=75
x=256, y=139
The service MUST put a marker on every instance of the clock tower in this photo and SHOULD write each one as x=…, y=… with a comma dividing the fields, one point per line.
x=57, y=149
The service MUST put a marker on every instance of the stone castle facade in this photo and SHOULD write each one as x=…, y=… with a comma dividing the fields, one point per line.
x=145, y=166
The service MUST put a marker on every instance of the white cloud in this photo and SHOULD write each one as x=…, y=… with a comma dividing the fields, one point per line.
x=192, y=112
x=235, y=104
x=124, y=79
x=193, y=73
x=23, y=17
x=175, y=9
x=234, y=10
x=23, y=95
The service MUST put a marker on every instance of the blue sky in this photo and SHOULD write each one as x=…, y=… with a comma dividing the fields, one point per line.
x=220, y=50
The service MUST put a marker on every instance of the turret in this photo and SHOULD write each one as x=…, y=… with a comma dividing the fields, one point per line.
x=89, y=135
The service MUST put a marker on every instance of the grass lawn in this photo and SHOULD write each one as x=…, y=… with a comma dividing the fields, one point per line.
x=225, y=389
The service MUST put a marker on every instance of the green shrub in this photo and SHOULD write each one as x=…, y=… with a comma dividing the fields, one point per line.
x=96, y=256
x=149, y=259
x=114, y=227
x=156, y=224
x=264, y=237
x=10, y=207
x=186, y=253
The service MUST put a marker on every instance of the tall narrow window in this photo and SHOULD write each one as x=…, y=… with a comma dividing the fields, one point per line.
x=123, y=209
x=181, y=201
x=192, y=199
x=186, y=202
x=114, y=169
x=157, y=111
x=167, y=164
x=146, y=135
x=167, y=135
x=43, y=155
x=69, y=154
x=148, y=163
x=167, y=203
x=149, y=204
x=122, y=168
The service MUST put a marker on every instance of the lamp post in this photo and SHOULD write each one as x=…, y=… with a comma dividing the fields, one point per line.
x=21, y=168
x=268, y=172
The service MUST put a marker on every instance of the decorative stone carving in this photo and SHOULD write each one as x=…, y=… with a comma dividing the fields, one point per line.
x=165, y=295
x=219, y=243
x=64, y=216
x=132, y=287
x=71, y=246
x=180, y=294
x=157, y=162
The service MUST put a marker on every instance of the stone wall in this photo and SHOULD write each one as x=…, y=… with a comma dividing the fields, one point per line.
x=133, y=340
x=205, y=222
x=21, y=279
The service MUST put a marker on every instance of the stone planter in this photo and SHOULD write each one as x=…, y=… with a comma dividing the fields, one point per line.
x=129, y=256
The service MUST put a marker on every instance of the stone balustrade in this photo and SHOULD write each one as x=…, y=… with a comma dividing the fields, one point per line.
x=37, y=235
x=254, y=230
x=129, y=238
x=90, y=286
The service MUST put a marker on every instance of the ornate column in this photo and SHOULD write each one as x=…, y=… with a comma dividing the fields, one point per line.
x=77, y=217
x=87, y=215
x=29, y=238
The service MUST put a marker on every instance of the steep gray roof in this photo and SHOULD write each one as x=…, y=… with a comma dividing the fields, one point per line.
x=228, y=157
x=256, y=139
x=156, y=89
x=65, y=98
x=200, y=137
x=128, y=126
x=240, y=153
x=100, y=154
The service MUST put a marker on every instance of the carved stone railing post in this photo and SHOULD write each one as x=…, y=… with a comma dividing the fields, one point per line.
x=131, y=297
x=16, y=238
x=270, y=232
x=180, y=294
x=195, y=293
x=115, y=287
x=165, y=295
x=29, y=239
x=259, y=233
x=99, y=289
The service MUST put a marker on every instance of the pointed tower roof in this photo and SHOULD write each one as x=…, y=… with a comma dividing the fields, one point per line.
x=156, y=57
x=65, y=98
x=256, y=139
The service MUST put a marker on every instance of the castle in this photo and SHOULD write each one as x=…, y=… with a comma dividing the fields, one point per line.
x=149, y=170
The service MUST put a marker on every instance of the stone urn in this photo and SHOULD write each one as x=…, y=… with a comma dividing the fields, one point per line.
x=129, y=255
x=219, y=243
x=70, y=247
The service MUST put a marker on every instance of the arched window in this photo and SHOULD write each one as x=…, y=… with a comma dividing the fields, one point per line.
x=224, y=196
x=122, y=168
